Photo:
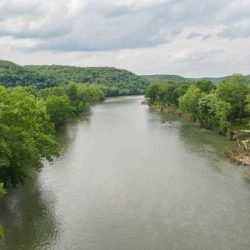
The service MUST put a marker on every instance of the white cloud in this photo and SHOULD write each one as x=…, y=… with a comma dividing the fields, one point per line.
x=191, y=37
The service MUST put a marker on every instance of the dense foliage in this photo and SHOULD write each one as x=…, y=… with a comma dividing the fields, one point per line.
x=164, y=78
x=189, y=102
x=26, y=134
x=213, y=112
x=12, y=75
x=114, y=81
x=180, y=79
x=65, y=101
x=2, y=190
x=215, y=106
x=27, y=121
x=234, y=91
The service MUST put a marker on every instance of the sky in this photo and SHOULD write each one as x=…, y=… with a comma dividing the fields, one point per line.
x=192, y=38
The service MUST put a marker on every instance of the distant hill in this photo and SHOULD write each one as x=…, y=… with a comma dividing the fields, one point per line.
x=163, y=78
x=177, y=78
x=117, y=80
x=12, y=75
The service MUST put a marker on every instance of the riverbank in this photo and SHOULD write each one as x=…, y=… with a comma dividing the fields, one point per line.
x=240, y=156
x=169, y=110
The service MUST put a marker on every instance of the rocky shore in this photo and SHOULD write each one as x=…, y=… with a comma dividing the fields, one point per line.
x=242, y=156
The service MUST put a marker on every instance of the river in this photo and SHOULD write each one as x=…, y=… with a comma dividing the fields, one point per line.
x=125, y=180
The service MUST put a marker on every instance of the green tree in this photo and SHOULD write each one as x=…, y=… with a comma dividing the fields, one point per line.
x=179, y=91
x=234, y=91
x=213, y=113
x=26, y=135
x=205, y=85
x=80, y=96
x=190, y=100
x=59, y=108
x=163, y=93
x=2, y=190
x=123, y=81
x=153, y=92
x=166, y=93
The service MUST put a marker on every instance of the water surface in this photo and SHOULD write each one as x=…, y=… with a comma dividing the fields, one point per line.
x=127, y=181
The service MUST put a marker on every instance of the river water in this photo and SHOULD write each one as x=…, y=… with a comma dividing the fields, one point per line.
x=125, y=180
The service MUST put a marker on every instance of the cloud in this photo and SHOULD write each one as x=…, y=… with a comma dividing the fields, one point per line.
x=236, y=31
x=77, y=25
x=189, y=36
x=194, y=35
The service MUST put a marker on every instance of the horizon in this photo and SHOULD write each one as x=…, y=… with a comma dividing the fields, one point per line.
x=162, y=74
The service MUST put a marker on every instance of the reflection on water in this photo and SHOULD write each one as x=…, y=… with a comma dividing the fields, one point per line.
x=126, y=180
x=66, y=133
x=207, y=144
x=27, y=218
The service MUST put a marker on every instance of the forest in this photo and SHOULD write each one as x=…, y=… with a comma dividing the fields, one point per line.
x=220, y=107
x=180, y=79
x=28, y=121
x=115, y=81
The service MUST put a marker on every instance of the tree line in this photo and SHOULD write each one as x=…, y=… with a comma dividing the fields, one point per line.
x=116, y=81
x=217, y=107
x=28, y=120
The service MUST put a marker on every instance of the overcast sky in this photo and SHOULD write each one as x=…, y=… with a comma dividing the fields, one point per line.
x=186, y=37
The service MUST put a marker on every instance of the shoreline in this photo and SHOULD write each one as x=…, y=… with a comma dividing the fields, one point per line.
x=239, y=157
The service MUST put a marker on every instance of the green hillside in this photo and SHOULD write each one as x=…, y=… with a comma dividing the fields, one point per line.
x=117, y=81
x=163, y=78
x=177, y=78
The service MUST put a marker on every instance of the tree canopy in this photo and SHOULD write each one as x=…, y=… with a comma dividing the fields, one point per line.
x=115, y=81
x=215, y=106
x=26, y=134
x=190, y=100
x=28, y=118
x=234, y=92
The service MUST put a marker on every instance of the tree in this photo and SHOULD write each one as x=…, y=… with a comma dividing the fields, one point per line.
x=213, y=113
x=26, y=135
x=234, y=91
x=2, y=190
x=190, y=100
x=166, y=93
x=205, y=86
x=153, y=92
x=59, y=108
x=163, y=93
x=79, y=97
x=180, y=91
x=123, y=81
